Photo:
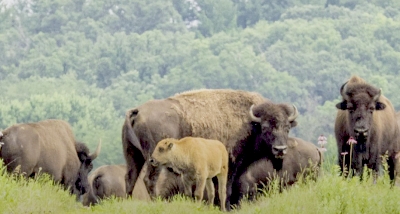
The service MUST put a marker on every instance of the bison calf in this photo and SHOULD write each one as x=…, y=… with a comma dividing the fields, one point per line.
x=197, y=160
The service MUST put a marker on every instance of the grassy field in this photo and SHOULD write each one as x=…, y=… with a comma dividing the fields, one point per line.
x=329, y=194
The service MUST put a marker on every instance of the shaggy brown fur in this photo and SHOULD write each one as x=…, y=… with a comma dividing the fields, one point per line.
x=302, y=159
x=197, y=160
x=369, y=117
x=217, y=114
x=47, y=146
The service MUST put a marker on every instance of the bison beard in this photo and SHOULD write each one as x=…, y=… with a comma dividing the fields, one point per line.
x=369, y=117
x=211, y=114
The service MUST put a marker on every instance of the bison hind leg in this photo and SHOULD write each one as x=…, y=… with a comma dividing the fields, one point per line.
x=222, y=182
x=210, y=191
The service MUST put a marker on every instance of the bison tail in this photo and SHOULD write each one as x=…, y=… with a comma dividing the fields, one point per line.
x=321, y=157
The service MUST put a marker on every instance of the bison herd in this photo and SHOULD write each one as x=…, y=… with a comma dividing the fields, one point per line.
x=236, y=140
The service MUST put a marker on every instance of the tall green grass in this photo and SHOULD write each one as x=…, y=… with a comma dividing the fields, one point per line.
x=331, y=193
x=35, y=195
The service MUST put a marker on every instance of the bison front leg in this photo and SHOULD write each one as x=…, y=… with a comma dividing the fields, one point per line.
x=233, y=193
x=392, y=169
x=229, y=188
x=200, y=186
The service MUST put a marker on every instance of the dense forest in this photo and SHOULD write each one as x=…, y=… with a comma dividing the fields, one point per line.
x=89, y=61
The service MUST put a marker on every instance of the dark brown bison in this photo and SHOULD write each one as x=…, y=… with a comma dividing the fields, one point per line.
x=106, y=181
x=213, y=114
x=48, y=146
x=369, y=117
x=302, y=159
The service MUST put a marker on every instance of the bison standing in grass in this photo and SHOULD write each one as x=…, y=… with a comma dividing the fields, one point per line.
x=197, y=161
x=48, y=146
x=369, y=117
x=301, y=160
x=249, y=134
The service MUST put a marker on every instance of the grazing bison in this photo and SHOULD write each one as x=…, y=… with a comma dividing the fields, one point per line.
x=302, y=159
x=369, y=117
x=109, y=180
x=212, y=114
x=197, y=161
x=48, y=146
x=106, y=181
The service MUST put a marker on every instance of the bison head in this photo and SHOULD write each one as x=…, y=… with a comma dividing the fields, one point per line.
x=161, y=154
x=275, y=121
x=82, y=184
x=360, y=100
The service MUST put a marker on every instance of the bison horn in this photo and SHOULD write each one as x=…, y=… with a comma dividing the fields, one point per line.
x=97, y=152
x=294, y=114
x=254, y=118
x=376, y=97
x=343, y=90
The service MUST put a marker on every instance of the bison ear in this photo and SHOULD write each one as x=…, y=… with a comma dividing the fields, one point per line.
x=293, y=124
x=380, y=106
x=342, y=105
x=170, y=145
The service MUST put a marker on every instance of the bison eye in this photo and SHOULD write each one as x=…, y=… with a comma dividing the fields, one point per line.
x=161, y=149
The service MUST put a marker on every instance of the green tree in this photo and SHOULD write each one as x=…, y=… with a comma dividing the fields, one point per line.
x=135, y=16
x=215, y=16
x=250, y=12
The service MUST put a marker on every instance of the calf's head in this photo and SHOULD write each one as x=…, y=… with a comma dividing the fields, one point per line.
x=275, y=121
x=361, y=100
x=162, y=153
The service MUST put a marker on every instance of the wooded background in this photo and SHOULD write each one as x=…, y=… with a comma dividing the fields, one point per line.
x=88, y=61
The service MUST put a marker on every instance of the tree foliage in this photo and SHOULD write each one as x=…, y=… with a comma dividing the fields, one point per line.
x=87, y=62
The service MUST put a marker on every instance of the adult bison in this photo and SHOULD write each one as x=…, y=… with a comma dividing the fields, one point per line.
x=109, y=181
x=48, y=146
x=213, y=114
x=301, y=160
x=106, y=181
x=369, y=117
